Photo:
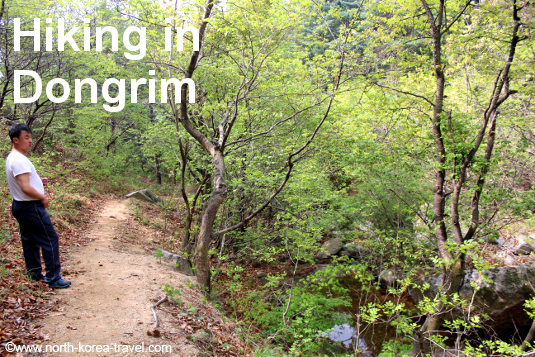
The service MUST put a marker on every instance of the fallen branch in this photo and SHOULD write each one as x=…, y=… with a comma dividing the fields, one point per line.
x=153, y=308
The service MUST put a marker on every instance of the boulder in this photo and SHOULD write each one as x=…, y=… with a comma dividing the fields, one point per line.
x=152, y=197
x=524, y=249
x=526, y=244
x=506, y=291
x=320, y=256
x=344, y=253
x=389, y=278
x=510, y=260
x=330, y=248
x=181, y=264
x=145, y=195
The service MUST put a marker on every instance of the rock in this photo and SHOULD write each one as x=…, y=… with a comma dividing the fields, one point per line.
x=145, y=195
x=181, y=264
x=330, y=248
x=322, y=255
x=510, y=260
x=389, y=278
x=261, y=274
x=526, y=245
x=524, y=249
x=344, y=253
x=492, y=241
x=509, y=288
x=140, y=195
x=152, y=197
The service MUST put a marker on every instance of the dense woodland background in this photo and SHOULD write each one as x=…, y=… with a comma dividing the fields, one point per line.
x=405, y=128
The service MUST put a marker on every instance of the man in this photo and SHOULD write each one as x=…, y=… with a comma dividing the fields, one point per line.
x=29, y=208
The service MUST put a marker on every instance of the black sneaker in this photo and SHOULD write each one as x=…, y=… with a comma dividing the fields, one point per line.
x=60, y=284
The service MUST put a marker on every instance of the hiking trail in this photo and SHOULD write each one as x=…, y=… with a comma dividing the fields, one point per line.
x=109, y=302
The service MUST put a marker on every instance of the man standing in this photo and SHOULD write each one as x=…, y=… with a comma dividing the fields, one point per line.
x=29, y=208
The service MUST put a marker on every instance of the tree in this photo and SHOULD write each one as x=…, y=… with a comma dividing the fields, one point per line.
x=412, y=40
x=47, y=64
x=262, y=93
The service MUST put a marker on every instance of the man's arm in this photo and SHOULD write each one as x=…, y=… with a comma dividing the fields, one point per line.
x=24, y=183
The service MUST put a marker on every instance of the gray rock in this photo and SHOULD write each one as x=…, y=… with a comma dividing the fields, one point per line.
x=524, y=249
x=145, y=195
x=322, y=255
x=389, y=278
x=356, y=253
x=510, y=260
x=181, y=264
x=152, y=197
x=526, y=244
x=140, y=195
x=508, y=288
x=261, y=274
x=331, y=247
x=344, y=253
x=492, y=241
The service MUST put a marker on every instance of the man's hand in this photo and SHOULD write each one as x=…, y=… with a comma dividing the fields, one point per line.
x=24, y=183
x=45, y=202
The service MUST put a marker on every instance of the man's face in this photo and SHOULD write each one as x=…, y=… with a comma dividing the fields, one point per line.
x=23, y=142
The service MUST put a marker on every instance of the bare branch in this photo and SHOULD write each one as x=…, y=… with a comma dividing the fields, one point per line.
x=406, y=93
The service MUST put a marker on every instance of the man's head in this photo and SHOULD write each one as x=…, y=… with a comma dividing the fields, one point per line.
x=21, y=137
x=17, y=129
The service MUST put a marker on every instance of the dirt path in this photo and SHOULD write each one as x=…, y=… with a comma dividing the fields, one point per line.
x=108, y=304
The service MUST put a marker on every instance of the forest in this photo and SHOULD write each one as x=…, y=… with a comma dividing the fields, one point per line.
x=330, y=165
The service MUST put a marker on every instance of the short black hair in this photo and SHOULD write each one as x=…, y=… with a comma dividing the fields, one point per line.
x=17, y=129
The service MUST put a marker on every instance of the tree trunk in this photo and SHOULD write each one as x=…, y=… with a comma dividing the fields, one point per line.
x=208, y=216
x=158, y=173
x=529, y=338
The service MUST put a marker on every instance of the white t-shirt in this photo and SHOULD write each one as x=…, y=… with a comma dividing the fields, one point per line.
x=17, y=164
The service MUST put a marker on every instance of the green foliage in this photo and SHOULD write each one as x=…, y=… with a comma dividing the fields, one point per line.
x=172, y=292
x=402, y=348
x=270, y=351
x=190, y=284
x=530, y=307
x=369, y=176
x=501, y=347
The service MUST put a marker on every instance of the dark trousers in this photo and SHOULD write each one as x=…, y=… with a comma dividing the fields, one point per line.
x=37, y=232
